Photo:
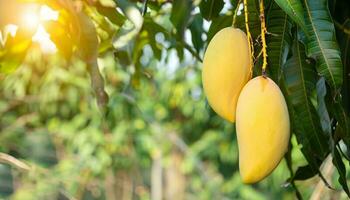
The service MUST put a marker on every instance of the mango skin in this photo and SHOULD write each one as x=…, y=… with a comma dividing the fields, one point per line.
x=226, y=69
x=263, y=129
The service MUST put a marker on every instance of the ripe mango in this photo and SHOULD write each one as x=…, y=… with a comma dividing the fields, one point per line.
x=226, y=69
x=263, y=128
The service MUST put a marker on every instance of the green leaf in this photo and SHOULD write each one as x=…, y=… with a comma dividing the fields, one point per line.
x=303, y=173
x=112, y=14
x=196, y=29
x=294, y=10
x=322, y=44
x=59, y=35
x=14, y=51
x=341, y=16
x=339, y=164
x=180, y=15
x=279, y=43
x=131, y=12
x=217, y=24
x=300, y=80
x=210, y=9
x=321, y=107
x=88, y=40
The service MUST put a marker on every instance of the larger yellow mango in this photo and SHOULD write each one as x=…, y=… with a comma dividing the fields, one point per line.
x=226, y=69
x=263, y=129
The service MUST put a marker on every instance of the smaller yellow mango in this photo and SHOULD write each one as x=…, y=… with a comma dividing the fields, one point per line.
x=263, y=128
x=226, y=69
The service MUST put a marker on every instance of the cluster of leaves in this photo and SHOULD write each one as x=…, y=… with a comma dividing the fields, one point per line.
x=308, y=56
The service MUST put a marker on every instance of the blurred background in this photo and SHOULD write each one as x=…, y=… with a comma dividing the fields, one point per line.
x=157, y=139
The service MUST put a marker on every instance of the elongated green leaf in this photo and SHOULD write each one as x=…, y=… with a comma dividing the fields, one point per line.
x=303, y=173
x=322, y=44
x=322, y=108
x=196, y=28
x=180, y=15
x=113, y=15
x=295, y=11
x=300, y=80
x=279, y=43
x=339, y=164
x=326, y=126
x=341, y=16
x=217, y=24
x=210, y=9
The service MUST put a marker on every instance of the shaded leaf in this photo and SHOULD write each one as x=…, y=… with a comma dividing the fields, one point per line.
x=210, y=9
x=300, y=79
x=339, y=164
x=196, y=29
x=112, y=14
x=322, y=108
x=279, y=43
x=217, y=24
x=303, y=173
x=180, y=15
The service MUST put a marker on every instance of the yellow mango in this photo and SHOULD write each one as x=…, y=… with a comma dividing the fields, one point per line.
x=263, y=128
x=226, y=69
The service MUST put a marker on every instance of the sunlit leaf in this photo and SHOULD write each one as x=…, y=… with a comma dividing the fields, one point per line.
x=294, y=9
x=322, y=44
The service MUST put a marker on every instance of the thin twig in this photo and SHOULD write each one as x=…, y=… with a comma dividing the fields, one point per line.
x=235, y=14
x=5, y=158
x=342, y=27
x=193, y=52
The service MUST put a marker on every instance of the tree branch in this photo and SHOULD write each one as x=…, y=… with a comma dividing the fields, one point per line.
x=5, y=158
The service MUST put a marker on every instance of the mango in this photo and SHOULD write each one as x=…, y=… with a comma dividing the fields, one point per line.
x=226, y=69
x=263, y=128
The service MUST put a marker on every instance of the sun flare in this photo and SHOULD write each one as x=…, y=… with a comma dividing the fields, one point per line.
x=32, y=20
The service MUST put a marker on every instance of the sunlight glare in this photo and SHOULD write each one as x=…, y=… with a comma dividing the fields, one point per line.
x=43, y=39
x=11, y=29
x=41, y=36
x=31, y=19
x=46, y=14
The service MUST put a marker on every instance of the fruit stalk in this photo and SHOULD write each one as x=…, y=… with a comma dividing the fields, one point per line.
x=249, y=36
x=235, y=13
x=263, y=39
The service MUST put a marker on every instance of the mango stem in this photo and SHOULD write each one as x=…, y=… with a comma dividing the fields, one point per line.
x=263, y=38
x=235, y=13
x=249, y=36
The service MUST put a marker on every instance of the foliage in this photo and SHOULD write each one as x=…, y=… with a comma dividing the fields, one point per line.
x=118, y=111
